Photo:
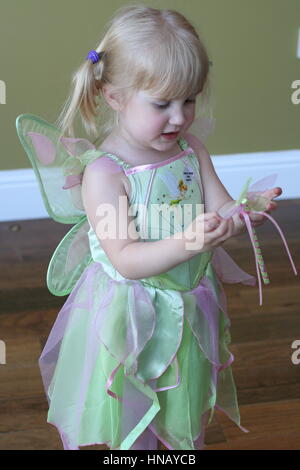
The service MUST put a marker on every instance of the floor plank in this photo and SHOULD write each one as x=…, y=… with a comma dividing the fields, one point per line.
x=267, y=381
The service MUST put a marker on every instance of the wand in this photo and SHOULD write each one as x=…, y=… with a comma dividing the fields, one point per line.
x=251, y=200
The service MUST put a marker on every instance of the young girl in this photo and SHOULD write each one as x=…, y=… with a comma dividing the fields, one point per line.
x=139, y=352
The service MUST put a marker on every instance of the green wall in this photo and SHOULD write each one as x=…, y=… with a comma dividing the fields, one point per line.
x=252, y=44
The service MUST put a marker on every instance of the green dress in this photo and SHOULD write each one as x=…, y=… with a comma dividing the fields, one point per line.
x=141, y=360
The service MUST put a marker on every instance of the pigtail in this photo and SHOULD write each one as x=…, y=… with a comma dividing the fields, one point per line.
x=84, y=98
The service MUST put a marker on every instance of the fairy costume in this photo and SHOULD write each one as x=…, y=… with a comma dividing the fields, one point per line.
x=128, y=361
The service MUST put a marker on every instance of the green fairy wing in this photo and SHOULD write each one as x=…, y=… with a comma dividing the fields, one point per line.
x=69, y=260
x=58, y=163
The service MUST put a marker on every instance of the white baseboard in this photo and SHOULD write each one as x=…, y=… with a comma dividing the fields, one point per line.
x=20, y=197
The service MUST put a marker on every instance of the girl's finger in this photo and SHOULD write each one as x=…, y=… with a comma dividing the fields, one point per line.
x=273, y=192
x=221, y=239
x=220, y=233
x=228, y=232
x=278, y=191
x=221, y=228
x=210, y=225
x=271, y=206
x=254, y=216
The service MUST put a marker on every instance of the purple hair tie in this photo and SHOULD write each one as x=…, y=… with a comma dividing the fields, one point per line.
x=94, y=56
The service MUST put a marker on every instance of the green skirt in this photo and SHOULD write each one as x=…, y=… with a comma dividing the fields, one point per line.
x=127, y=363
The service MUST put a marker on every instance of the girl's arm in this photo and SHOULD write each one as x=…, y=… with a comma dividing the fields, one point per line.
x=115, y=229
x=216, y=197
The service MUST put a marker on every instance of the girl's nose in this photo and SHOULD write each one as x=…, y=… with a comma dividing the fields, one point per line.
x=177, y=117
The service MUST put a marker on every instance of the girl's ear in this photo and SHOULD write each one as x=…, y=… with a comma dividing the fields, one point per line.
x=112, y=97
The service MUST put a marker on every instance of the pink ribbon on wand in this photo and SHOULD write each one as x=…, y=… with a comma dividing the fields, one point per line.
x=250, y=231
x=247, y=202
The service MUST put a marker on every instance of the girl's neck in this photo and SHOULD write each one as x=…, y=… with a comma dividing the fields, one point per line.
x=117, y=145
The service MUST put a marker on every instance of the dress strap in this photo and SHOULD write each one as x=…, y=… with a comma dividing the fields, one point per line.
x=181, y=141
x=116, y=159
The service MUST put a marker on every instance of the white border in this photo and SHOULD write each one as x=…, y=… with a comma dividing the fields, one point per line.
x=20, y=196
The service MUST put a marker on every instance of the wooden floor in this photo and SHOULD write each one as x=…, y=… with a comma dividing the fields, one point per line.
x=268, y=383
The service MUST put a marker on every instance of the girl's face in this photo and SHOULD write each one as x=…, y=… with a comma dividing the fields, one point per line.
x=145, y=119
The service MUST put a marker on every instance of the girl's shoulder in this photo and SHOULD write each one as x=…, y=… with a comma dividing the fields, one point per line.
x=112, y=166
x=194, y=142
x=198, y=147
x=113, y=149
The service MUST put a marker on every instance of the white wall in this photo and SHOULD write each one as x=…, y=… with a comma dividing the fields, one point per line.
x=20, y=197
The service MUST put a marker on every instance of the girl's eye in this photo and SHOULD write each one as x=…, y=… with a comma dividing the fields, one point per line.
x=165, y=105
x=161, y=106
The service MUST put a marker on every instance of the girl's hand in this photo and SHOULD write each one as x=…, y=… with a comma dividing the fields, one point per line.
x=258, y=219
x=213, y=227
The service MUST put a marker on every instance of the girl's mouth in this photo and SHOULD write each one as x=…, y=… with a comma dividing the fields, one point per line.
x=170, y=135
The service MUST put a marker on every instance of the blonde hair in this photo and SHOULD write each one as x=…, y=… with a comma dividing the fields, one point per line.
x=158, y=51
